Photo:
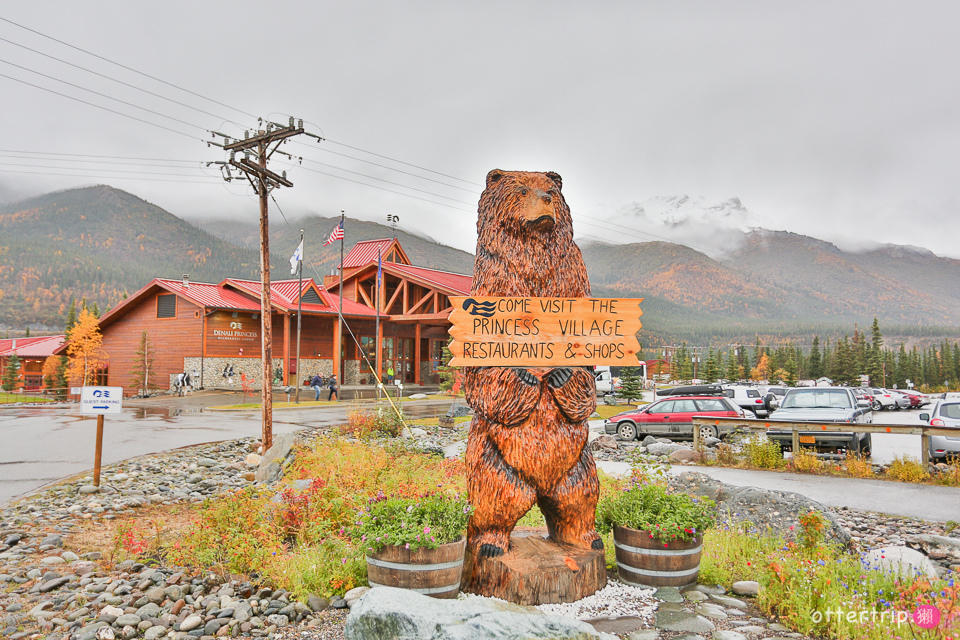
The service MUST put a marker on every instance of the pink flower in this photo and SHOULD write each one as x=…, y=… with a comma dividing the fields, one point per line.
x=426, y=529
x=406, y=546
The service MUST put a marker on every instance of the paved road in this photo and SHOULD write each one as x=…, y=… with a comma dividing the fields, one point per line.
x=896, y=498
x=42, y=445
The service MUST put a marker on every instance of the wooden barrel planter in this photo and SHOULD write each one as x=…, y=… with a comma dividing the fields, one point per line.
x=645, y=561
x=432, y=572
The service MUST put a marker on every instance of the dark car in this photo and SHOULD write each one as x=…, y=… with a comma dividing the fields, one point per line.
x=673, y=417
x=823, y=404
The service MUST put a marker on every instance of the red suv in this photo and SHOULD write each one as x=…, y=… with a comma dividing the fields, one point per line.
x=673, y=417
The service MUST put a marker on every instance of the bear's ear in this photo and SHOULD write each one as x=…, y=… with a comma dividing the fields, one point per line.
x=494, y=176
x=556, y=178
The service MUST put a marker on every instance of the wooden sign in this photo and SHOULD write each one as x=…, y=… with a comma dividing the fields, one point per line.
x=544, y=332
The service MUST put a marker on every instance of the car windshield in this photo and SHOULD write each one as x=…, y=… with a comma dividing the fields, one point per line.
x=817, y=399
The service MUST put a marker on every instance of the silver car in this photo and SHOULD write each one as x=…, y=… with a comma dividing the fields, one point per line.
x=946, y=413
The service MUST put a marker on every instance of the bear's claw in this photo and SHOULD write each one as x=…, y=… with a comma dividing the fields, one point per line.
x=597, y=544
x=526, y=377
x=559, y=376
x=490, y=551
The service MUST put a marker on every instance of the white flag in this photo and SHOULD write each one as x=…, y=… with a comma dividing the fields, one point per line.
x=296, y=258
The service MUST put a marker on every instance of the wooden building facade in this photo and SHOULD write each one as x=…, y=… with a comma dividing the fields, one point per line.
x=212, y=331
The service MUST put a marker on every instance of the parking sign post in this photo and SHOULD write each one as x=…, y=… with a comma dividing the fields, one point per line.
x=100, y=401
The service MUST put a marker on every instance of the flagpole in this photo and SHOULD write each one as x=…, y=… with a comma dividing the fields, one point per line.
x=299, y=316
x=341, y=373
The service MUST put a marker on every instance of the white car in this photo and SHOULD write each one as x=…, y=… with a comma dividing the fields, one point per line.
x=749, y=398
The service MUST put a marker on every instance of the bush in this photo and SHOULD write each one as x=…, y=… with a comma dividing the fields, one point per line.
x=332, y=566
x=649, y=507
x=763, y=453
x=907, y=469
x=804, y=461
x=857, y=466
x=427, y=521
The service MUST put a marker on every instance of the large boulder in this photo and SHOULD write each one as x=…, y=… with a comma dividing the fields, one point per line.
x=386, y=613
x=458, y=410
x=276, y=458
x=764, y=509
x=901, y=561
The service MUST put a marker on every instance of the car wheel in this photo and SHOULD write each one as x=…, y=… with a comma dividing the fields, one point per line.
x=876, y=406
x=866, y=445
x=706, y=431
x=627, y=431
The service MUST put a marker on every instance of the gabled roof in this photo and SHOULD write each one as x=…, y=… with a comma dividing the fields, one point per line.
x=37, y=347
x=204, y=294
x=455, y=283
x=284, y=295
x=363, y=253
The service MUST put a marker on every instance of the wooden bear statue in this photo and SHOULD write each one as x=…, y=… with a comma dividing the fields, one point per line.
x=527, y=442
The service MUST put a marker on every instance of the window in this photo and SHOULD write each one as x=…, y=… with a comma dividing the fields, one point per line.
x=684, y=406
x=368, y=355
x=663, y=407
x=951, y=411
x=167, y=306
x=712, y=405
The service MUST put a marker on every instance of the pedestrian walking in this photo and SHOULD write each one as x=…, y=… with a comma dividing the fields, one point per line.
x=333, y=388
x=390, y=374
x=317, y=384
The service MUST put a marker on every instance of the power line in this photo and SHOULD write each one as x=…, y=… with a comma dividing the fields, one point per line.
x=103, y=95
x=123, y=66
x=78, y=175
x=396, y=184
x=119, y=113
x=40, y=166
x=409, y=164
x=90, y=155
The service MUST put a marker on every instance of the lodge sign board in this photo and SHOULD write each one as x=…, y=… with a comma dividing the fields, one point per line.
x=544, y=332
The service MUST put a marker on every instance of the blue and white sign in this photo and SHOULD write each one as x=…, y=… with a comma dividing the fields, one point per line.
x=101, y=400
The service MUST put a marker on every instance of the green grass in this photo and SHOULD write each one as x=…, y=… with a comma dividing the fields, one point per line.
x=10, y=398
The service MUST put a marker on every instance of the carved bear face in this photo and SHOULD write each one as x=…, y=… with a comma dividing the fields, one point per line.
x=532, y=199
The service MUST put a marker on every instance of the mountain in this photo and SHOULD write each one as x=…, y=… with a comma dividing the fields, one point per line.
x=101, y=244
x=320, y=260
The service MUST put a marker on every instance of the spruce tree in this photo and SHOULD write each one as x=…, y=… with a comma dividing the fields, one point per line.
x=10, y=373
x=631, y=386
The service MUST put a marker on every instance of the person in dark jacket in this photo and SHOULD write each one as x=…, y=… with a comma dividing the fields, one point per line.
x=333, y=388
x=317, y=384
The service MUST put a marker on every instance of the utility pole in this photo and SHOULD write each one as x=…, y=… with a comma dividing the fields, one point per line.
x=257, y=150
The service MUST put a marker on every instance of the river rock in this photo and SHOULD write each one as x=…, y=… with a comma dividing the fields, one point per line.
x=902, y=561
x=384, y=610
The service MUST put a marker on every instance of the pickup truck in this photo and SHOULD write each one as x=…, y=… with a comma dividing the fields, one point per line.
x=823, y=404
x=605, y=382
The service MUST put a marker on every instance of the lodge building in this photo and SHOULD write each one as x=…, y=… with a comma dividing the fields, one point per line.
x=212, y=331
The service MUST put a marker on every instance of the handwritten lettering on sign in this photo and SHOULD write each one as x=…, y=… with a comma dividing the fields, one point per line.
x=544, y=332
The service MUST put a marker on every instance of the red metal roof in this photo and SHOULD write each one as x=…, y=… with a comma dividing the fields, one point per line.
x=204, y=294
x=363, y=253
x=283, y=295
x=454, y=282
x=36, y=347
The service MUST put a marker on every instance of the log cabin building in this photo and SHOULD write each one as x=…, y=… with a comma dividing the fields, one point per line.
x=212, y=331
x=31, y=353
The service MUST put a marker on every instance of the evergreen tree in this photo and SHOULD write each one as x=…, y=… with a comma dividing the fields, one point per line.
x=11, y=374
x=71, y=317
x=710, y=369
x=448, y=375
x=55, y=375
x=875, y=367
x=26, y=333
x=631, y=386
x=815, y=363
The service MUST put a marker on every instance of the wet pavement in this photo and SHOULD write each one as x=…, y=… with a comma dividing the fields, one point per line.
x=39, y=445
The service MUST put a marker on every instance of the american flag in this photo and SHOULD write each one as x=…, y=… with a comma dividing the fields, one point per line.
x=336, y=234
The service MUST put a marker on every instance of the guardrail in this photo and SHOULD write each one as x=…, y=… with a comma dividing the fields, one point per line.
x=924, y=431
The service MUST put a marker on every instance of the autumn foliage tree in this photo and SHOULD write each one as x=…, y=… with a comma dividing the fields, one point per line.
x=85, y=350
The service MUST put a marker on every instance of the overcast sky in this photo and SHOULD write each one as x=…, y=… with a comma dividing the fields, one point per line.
x=839, y=120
